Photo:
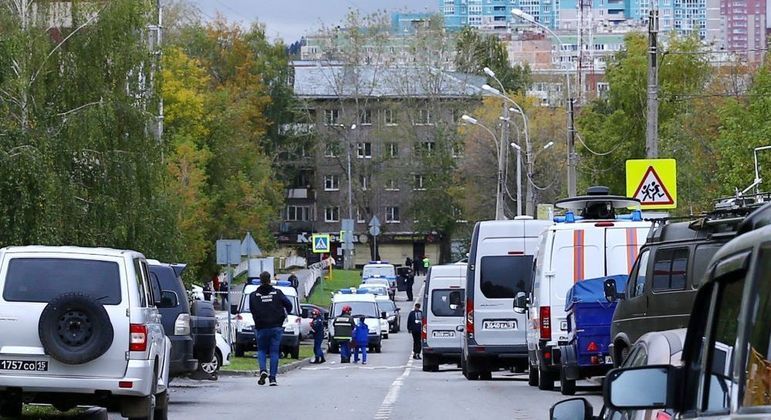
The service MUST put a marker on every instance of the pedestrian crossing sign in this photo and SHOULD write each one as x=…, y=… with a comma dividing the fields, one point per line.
x=320, y=243
x=653, y=182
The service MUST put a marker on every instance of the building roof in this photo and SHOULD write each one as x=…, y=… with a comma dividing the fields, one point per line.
x=331, y=80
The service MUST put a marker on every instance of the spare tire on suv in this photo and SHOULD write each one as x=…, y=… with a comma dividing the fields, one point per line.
x=74, y=328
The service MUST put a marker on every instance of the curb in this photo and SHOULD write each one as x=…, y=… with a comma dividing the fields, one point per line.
x=281, y=369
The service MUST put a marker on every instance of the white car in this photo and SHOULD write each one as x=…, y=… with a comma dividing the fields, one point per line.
x=361, y=305
x=74, y=320
x=244, y=323
x=221, y=356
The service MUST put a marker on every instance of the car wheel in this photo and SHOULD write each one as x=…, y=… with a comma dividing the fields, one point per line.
x=11, y=407
x=239, y=350
x=74, y=328
x=532, y=376
x=430, y=364
x=161, y=406
x=567, y=386
x=296, y=352
x=334, y=347
x=213, y=366
x=378, y=348
x=385, y=336
x=468, y=373
x=486, y=375
x=545, y=380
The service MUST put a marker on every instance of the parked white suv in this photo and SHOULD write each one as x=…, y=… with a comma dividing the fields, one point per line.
x=79, y=326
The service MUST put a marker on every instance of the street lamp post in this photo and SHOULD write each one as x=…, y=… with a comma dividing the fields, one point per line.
x=348, y=248
x=503, y=151
x=530, y=161
x=499, y=215
x=571, y=172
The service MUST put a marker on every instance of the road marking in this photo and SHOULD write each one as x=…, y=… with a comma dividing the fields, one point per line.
x=354, y=366
x=384, y=412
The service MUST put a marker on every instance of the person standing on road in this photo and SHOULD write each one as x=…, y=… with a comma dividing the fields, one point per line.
x=426, y=265
x=269, y=307
x=360, y=337
x=317, y=329
x=409, y=283
x=224, y=287
x=344, y=326
x=416, y=266
x=414, y=326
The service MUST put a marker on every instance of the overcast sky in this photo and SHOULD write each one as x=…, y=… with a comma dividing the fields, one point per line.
x=291, y=19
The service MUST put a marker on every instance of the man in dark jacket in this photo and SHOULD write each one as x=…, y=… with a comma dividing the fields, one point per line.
x=317, y=330
x=269, y=307
x=344, y=326
x=408, y=285
x=414, y=326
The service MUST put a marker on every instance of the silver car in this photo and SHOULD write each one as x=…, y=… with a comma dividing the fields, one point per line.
x=79, y=326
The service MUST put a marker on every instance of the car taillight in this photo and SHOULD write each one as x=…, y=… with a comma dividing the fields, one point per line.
x=470, y=316
x=663, y=415
x=423, y=329
x=138, y=339
x=545, y=312
x=592, y=346
x=182, y=325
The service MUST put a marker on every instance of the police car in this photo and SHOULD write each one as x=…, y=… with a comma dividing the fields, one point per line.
x=244, y=323
x=361, y=303
x=380, y=270
x=381, y=295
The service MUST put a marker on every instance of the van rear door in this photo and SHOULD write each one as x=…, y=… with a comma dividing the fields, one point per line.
x=501, y=277
x=622, y=247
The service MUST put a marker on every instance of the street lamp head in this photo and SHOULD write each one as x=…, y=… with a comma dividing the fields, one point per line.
x=514, y=110
x=522, y=15
x=491, y=89
x=489, y=72
x=353, y=126
x=516, y=146
x=468, y=119
x=548, y=145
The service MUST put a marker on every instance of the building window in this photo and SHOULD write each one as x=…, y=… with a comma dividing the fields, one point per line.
x=364, y=181
x=361, y=214
x=457, y=150
x=392, y=184
x=365, y=117
x=332, y=116
x=331, y=183
x=425, y=148
x=331, y=149
x=392, y=149
x=418, y=183
x=332, y=214
x=424, y=116
x=364, y=150
x=298, y=213
x=389, y=117
x=392, y=215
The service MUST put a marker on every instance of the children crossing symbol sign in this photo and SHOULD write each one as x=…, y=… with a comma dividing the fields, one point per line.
x=320, y=243
x=653, y=182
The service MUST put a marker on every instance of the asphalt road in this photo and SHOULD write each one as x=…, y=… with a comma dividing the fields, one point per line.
x=391, y=386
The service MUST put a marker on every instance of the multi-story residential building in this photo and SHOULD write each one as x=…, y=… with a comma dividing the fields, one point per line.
x=385, y=121
x=744, y=24
x=495, y=15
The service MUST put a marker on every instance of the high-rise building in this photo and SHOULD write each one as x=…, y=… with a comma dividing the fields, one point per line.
x=744, y=26
x=495, y=15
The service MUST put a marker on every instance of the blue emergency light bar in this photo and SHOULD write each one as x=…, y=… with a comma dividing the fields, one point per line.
x=283, y=283
x=346, y=291
x=569, y=217
x=379, y=262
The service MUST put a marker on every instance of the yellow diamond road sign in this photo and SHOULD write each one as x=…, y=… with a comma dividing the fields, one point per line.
x=320, y=243
x=653, y=182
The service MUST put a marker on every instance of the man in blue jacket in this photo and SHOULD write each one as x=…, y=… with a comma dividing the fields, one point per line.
x=269, y=307
x=360, y=337
x=317, y=329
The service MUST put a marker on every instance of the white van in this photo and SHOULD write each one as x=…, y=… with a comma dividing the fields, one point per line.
x=443, y=302
x=362, y=304
x=244, y=322
x=500, y=266
x=590, y=242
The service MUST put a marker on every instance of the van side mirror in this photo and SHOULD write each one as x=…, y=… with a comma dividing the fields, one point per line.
x=571, y=409
x=641, y=387
x=611, y=292
x=520, y=303
x=169, y=299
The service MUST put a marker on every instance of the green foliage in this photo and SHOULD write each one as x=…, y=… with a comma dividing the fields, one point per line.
x=475, y=51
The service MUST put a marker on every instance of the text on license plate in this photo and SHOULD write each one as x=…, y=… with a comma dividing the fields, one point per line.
x=24, y=365
x=500, y=325
x=443, y=334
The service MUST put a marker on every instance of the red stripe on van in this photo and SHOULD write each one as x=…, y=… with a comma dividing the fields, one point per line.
x=631, y=248
x=578, y=255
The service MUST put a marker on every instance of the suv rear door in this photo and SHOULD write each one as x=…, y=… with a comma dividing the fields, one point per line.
x=31, y=280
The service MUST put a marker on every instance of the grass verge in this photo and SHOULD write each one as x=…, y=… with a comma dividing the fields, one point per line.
x=341, y=279
x=249, y=361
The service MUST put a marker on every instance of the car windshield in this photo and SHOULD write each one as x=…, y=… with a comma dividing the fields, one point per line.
x=375, y=290
x=368, y=309
x=385, y=271
x=42, y=279
x=386, y=306
x=502, y=277
x=382, y=282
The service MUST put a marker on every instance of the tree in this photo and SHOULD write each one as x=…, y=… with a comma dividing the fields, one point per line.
x=475, y=51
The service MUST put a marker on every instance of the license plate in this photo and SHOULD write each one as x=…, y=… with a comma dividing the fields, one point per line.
x=443, y=334
x=608, y=360
x=24, y=365
x=500, y=325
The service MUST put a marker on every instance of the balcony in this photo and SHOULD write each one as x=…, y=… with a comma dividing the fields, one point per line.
x=298, y=193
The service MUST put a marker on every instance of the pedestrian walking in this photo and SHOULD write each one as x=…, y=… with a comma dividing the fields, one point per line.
x=416, y=265
x=269, y=307
x=317, y=330
x=410, y=281
x=414, y=326
x=426, y=265
x=360, y=337
x=344, y=326
x=224, y=287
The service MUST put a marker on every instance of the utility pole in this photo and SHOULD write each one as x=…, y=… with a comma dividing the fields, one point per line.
x=499, y=212
x=651, y=133
x=571, y=150
x=348, y=247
